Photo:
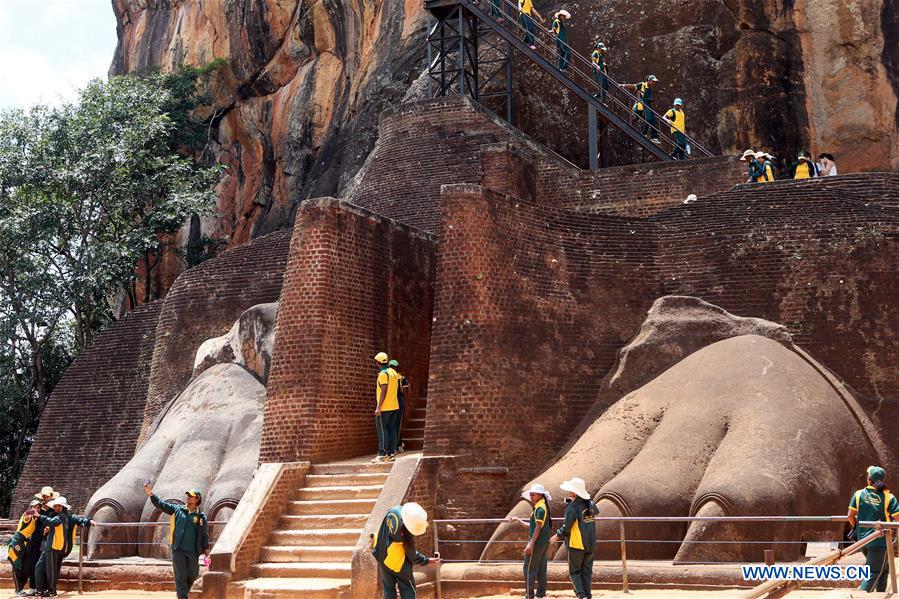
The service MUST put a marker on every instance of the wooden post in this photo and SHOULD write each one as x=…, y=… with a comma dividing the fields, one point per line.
x=891, y=559
x=437, y=583
x=623, y=559
x=81, y=561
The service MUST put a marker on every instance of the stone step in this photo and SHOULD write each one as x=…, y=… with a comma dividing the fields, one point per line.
x=413, y=444
x=296, y=588
x=349, y=468
x=323, y=493
x=332, y=521
x=319, y=537
x=342, y=480
x=303, y=570
x=413, y=432
x=330, y=507
x=306, y=553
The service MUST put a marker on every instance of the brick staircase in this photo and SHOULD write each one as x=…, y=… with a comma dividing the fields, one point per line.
x=414, y=428
x=309, y=554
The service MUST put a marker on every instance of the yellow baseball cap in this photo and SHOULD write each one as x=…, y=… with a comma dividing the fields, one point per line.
x=381, y=358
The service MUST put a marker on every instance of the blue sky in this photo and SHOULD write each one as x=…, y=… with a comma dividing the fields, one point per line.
x=49, y=48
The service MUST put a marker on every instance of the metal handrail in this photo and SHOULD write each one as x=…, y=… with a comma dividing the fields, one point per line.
x=614, y=85
x=684, y=519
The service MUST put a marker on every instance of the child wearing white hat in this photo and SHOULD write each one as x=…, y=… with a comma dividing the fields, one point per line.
x=536, y=553
x=58, y=543
x=579, y=532
x=394, y=549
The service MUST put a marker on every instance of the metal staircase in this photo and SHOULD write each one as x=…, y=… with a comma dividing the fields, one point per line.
x=470, y=52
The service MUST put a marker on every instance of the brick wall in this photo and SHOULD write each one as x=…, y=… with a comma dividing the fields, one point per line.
x=533, y=303
x=205, y=302
x=532, y=306
x=356, y=283
x=426, y=144
x=639, y=189
x=90, y=426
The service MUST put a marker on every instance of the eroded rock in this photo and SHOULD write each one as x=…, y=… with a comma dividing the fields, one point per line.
x=249, y=344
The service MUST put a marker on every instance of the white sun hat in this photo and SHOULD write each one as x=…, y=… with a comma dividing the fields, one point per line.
x=748, y=154
x=47, y=491
x=415, y=518
x=576, y=486
x=536, y=488
x=60, y=501
x=564, y=13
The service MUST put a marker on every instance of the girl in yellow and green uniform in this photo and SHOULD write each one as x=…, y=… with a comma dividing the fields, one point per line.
x=17, y=547
x=874, y=503
x=394, y=549
x=600, y=70
x=579, y=532
x=526, y=14
x=536, y=553
x=562, y=46
x=678, y=121
x=57, y=544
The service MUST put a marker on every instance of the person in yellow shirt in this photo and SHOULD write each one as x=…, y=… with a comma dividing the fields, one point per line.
x=387, y=409
x=803, y=168
x=526, y=14
x=678, y=121
x=765, y=160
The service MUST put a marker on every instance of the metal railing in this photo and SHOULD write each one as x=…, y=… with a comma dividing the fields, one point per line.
x=617, y=98
x=881, y=529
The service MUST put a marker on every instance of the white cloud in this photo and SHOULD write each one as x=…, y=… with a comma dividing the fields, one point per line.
x=49, y=49
x=29, y=77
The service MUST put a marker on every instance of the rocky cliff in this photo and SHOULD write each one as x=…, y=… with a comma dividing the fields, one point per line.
x=296, y=106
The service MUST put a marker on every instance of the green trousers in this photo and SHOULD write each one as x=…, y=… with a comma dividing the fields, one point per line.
x=535, y=571
x=876, y=558
x=187, y=570
x=580, y=570
x=404, y=580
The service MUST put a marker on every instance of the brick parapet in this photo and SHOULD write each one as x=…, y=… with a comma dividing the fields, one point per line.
x=356, y=283
x=89, y=429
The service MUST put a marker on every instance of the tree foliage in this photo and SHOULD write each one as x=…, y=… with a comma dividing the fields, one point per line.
x=88, y=190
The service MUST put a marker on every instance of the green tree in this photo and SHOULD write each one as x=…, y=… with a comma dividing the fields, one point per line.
x=87, y=190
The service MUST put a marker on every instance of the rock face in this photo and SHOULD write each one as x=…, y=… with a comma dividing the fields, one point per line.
x=296, y=106
x=249, y=344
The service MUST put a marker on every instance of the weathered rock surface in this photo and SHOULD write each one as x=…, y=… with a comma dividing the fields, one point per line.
x=734, y=428
x=249, y=344
x=296, y=105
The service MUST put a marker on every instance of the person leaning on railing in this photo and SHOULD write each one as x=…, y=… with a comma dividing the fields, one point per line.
x=872, y=504
x=189, y=537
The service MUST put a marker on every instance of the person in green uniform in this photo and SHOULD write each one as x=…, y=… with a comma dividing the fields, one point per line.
x=643, y=108
x=526, y=14
x=579, y=532
x=600, y=71
x=536, y=553
x=678, y=121
x=754, y=166
x=59, y=538
x=803, y=168
x=495, y=10
x=387, y=409
x=189, y=537
x=561, y=31
x=18, y=545
x=767, y=167
x=403, y=390
x=394, y=549
x=874, y=503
